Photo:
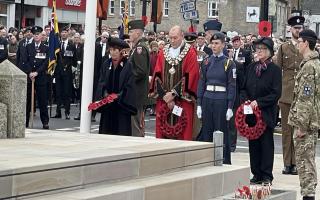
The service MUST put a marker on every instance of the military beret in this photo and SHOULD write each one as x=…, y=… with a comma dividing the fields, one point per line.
x=36, y=29
x=267, y=41
x=235, y=38
x=201, y=34
x=296, y=18
x=136, y=24
x=212, y=25
x=308, y=35
x=190, y=37
x=218, y=36
x=117, y=43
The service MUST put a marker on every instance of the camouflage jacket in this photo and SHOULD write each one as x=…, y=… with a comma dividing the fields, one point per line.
x=305, y=108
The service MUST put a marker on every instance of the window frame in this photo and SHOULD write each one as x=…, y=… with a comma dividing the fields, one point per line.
x=210, y=8
x=132, y=14
x=165, y=8
x=111, y=7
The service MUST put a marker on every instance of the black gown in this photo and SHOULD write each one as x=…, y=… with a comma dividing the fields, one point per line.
x=116, y=116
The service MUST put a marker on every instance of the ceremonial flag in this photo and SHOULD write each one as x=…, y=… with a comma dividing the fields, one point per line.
x=102, y=9
x=156, y=11
x=125, y=20
x=54, y=44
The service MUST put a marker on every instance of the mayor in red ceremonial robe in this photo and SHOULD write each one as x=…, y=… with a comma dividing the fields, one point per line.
x=174, y=84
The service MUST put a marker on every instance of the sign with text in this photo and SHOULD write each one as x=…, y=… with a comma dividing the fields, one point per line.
x=188, y=6
x=187, y=1
x=79, y=5
x=194, y=14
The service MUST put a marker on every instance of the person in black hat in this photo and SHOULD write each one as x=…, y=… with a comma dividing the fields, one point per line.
x=22, y=51
x=63, y=73
x=117, y=78
x=190, y=38
x=140, y=59
x=36, y=68
x=216, y=94
x=262, y=89
x=211, y=27
x=304, y=114
x=289, y=59
x=202, y=46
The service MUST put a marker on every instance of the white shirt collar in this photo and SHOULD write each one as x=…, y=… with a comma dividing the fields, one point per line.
x=175, y=52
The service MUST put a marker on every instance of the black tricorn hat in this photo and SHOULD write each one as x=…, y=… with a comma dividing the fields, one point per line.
x=117, y=43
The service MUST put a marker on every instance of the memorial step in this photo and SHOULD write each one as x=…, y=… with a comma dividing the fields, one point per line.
x=189, y=184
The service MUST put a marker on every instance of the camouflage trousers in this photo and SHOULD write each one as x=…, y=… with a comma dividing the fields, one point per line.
x=305, y=149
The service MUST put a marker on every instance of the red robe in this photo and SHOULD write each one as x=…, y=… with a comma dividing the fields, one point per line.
x=190, y=75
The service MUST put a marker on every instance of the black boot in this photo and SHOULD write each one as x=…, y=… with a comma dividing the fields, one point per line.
x=308, y=198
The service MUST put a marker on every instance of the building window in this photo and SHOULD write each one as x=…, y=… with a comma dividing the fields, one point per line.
x=132, y=7
x=3, y=14
x=111, y=7
x=122, y=4
x=213, y=9
x=166, y=8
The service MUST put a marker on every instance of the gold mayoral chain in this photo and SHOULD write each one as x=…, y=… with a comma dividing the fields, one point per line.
x=175, y=61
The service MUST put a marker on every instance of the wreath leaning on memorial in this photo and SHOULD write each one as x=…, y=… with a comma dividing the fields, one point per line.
x=251, y=133
x=168, y=130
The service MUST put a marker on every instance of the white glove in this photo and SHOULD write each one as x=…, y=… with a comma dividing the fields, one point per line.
x=229, y=114
x=199, y=111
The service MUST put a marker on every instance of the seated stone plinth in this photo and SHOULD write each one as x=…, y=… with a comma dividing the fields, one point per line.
x=13, y=91
x=3, y=121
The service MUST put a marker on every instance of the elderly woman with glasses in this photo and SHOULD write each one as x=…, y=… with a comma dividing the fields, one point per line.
x=262, y=89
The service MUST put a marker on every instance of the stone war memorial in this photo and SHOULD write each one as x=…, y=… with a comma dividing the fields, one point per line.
x=52, y=165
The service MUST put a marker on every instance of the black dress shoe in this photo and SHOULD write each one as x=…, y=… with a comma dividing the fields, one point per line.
x=286, y=170
x=56, y=116
x=77, y=118
x=294, y=170
x=67, y=116
x=308, y=198
x=255, y=180
x=45, y=126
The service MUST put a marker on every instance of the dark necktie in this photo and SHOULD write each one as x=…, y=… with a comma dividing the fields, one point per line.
x=62, y=46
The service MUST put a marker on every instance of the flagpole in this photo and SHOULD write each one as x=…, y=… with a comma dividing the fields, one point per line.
x=88, y=61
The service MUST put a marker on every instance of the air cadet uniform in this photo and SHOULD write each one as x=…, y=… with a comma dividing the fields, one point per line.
x=140, y=60
x=63, y=76
x=289, y=59
x=216, y=95
x=37, y=61
x=304, y=116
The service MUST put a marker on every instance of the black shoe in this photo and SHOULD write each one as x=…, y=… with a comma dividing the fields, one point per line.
x=67, y=116
x=308, y=198
x=286, y=170
x=56, y=116
x=77, y=118
x=255, y=180
x=266, y=182
x=45, y=126
x=294, y=170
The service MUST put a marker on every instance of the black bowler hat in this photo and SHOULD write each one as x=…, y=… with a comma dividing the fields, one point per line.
x=296, y=18
x=212, y=25
x=218, y=36
x=190, y=37
x=267, y=41
x=117, y=43
x=36, y=30
x=308, y=35
x=136, y=24
x=201, y=34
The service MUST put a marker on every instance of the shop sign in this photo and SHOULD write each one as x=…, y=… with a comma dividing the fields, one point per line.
x=73, y=2
x=79, y=5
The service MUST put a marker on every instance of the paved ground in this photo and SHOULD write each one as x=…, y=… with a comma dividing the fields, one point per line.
x=240, y=157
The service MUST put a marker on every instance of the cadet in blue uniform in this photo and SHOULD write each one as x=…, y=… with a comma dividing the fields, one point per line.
x=216, y=94
x=37, y=65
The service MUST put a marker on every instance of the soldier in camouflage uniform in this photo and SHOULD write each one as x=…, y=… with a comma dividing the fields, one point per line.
x=304, y=113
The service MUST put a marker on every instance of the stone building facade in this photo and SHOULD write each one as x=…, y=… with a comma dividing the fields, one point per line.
x=232, y=13
x=311, y=11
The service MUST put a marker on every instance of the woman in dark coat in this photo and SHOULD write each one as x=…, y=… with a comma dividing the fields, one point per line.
x=262, y=88
x=116, y=77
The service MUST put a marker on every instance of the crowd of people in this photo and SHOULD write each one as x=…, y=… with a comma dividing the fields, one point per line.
x=194, y=83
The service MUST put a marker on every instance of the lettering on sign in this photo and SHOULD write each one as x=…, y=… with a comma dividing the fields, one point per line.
x=73, y=2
